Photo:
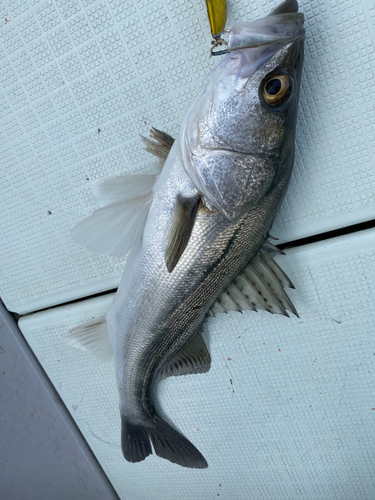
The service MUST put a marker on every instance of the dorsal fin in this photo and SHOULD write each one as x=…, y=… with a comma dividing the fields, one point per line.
x=124, y=202
x=269, y=278
x=159, y=145
x=115, y=228
x=192, y=358
x=283, y=279
x=258, y=286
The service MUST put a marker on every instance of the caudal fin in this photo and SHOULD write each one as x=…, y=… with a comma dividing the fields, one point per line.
x=135, y=442
x=170, y=444
x=167, y=443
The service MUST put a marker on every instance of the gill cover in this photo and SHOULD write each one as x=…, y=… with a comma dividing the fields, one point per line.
x=231, y=141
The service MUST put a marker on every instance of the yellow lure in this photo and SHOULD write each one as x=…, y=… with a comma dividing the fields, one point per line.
x=217, y=15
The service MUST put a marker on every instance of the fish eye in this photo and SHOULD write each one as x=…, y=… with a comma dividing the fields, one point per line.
x=275, y=88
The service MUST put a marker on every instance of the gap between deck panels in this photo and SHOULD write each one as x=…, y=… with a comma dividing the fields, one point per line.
x=362, y=226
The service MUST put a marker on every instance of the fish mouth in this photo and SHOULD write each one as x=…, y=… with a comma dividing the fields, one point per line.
x=283, y=25
x=255, y=42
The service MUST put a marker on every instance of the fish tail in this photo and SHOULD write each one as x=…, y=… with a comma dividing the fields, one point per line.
x=170, y=444
x=167, y=443
x=135, y=442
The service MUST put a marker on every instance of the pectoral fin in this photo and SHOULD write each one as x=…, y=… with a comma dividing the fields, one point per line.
x=180, y=229
x=192, y=358
x=285, y=8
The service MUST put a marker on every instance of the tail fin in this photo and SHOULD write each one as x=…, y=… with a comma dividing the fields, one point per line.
x=167, y=443
x=170, y=444
x=135, y=442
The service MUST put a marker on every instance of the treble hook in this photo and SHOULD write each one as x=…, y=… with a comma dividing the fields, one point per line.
x=217, y=16
x=218, y=42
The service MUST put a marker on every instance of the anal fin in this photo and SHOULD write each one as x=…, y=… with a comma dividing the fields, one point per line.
x=192, y=358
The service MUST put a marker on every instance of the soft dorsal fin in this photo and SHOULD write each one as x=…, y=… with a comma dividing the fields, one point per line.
x=180, y=229
x=268, y=277
x=122, y=188
x=114, y=229
x=92, y=337
x=258, y=286
x=192, y=358
x=283, y=279
x=124, y=202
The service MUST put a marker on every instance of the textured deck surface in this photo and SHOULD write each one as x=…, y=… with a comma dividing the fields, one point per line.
x=287, y=410
x=81, y=79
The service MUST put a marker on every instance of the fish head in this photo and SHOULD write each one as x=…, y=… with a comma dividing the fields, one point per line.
x=237, y=140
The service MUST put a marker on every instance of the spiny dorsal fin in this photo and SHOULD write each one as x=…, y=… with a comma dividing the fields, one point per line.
x=162, y=137
x=283, y=279
x=92, y=337
x=124, y=202
x=274, y=285
x=192, y=358
x=258, y=286
x=180, y=229
x=159, y=145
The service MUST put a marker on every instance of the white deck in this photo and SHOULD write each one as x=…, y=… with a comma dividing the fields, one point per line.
x=287, y=409
x=70, y=69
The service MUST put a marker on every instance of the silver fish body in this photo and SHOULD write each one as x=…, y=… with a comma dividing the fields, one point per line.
x=235, y=154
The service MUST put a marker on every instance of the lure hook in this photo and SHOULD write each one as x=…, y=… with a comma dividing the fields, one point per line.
x=219, y=42
x=217, y=16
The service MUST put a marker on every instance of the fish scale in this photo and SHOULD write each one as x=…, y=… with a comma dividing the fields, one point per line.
x=162, y=319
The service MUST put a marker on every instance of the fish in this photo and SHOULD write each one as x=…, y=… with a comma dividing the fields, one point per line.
x=197, y=234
